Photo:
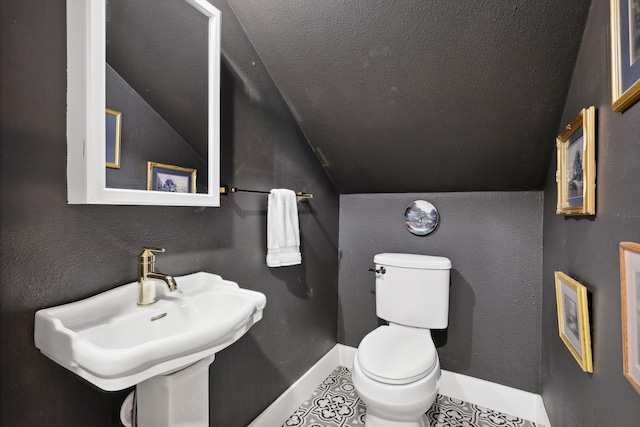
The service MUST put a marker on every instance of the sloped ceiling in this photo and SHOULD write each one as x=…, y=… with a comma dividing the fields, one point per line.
x=432, y=95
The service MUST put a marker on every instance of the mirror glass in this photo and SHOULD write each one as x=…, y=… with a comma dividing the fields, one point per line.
x=143, y=102
x=156, y=78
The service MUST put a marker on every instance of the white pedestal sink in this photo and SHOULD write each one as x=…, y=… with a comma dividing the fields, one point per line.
x=164, y=349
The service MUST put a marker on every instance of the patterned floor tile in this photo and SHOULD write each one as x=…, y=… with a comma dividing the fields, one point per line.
x=335, y=403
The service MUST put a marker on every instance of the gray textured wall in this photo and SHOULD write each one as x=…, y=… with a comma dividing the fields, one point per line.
x=494, y=241
x=53, y=253
x=587, y=249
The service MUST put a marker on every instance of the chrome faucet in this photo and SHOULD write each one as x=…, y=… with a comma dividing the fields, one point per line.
x=147, y=274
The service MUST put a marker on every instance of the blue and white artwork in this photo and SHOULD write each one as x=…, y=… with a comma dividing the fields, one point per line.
x=172, y=183
x=571, y=320
x=575, y=170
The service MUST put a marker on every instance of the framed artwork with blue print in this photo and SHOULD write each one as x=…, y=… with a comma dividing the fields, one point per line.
x=174, y=179
x=625, y=53
x=576, y=173
x=421, y=218
x=630, y=307
x=573, y=319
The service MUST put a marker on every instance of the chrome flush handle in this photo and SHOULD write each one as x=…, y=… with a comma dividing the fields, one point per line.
x=381, y=270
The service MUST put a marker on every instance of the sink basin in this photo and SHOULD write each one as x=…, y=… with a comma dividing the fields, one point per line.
x=113, y=343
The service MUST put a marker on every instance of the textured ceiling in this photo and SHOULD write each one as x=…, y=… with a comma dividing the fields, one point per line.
x=411, y=96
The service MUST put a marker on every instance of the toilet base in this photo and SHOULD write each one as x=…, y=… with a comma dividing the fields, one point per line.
x=373, y=421
x=402, y=405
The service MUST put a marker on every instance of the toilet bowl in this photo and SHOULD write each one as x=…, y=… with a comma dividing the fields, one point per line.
x=396, y=373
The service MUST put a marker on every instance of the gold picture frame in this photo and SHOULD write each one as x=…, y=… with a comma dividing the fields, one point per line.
x=625, y=54
x=576, y=171
x=630, y=295
x=113, y=126
x=170, y=178
x=573, y=319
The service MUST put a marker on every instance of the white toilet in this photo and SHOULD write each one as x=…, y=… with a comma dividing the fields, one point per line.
x=396, y=370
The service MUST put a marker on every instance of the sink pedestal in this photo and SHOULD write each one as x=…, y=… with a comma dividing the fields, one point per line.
x=178, y=399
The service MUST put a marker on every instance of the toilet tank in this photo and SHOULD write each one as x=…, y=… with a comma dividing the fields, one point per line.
x=413, y=290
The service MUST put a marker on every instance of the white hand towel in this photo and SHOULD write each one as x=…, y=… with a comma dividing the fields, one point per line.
x=283, y=234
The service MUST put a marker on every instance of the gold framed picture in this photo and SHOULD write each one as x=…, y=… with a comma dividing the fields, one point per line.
x=630, y=294
x=113, y=134
x=576, y=172
x=573, y=319
x=625, y=53
x=174, y=179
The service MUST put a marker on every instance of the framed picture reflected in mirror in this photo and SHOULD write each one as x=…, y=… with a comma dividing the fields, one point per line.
x=174, y=179
x=113, y=142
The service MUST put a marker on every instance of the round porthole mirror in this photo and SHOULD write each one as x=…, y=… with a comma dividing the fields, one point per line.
x=421, y=217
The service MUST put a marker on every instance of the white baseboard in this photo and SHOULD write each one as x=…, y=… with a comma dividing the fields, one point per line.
x=279, y=411
x=499, y=397
x=473, y=390
x=346, y=355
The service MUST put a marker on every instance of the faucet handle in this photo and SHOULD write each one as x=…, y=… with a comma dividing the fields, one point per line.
x=147, y=255
x=154, y=249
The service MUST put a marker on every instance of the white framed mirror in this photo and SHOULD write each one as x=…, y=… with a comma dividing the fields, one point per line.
x=89, y=180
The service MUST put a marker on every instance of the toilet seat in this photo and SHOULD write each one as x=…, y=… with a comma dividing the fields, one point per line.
x=397, y=355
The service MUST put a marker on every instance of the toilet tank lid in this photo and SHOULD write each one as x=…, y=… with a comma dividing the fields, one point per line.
x=413, y=261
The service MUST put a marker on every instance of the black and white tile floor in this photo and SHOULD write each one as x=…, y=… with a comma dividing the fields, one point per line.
x=335, y=404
